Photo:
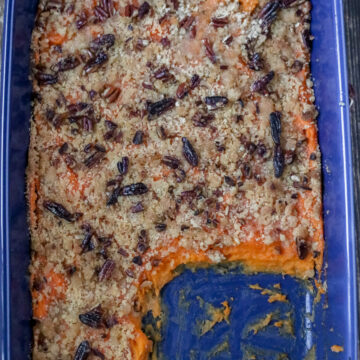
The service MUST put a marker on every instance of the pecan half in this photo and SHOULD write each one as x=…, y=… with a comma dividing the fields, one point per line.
x=106, y=270
x=189, y=152
x=59, y=211
x=83, y=351
x=93, y=318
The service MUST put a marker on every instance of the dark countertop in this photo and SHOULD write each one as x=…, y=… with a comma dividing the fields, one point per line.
x=352, y=27
x=352, y=24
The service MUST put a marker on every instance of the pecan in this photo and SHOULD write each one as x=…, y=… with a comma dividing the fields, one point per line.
x=83, y=351
x=189, y=152
x=175, y=4
x=86, y=244
x=193, y=32
x=219, y=146
x=307, y=38
x=143, y=242
x=155, y=262
x=130, y=273
x=134, y=189
x=123, y=252
x=101, y=13
x=128, y=11
x=187, y=22
x=141, y=44
x=99, y=147
x=77, y=107
x=86, y=55
x=102, y=42
x=202, y=120
x=38, y=284
x=147, y=86
x=286, y=3
x=46, y=78
x=139, y=207
x=301, y=185
x=63, y=148
x=106, y=270
x=110, y=125
x=194, y=81
x=163, y=74
x=60, y=211
x=275, y=126
x=95, y=63
x=137, y=260
x=94, y=159
x=160, y=107
x=278, y=161
x=250, y=147
x=182, y=91
x=138, y=138
x=160, y=227
x=161, y=133
x=165, y=42
x=219, y=22
x=268, y=14
x=55, y=5
x=289, y=157
x=302, y=248
x=180, y=175
x=110, y=322
x=118, y=137
x=123, y=165
x=70, y=270
x=260, y=85
x=228, y=40
x=87, y=123
x=255, y=63
x=81, y=20
x=209, y=51
x=108, y=6
x=114, y=197
x=93, y=318
x=69, y=63
x=110, y=93
x=109, y=135
x=171, y=161
x=144, y=9
x=261, y=149
x=216, y=102
x=97, y=352
x=247, y=170
x=70, y=9
x=230, y=181
x=297, y=66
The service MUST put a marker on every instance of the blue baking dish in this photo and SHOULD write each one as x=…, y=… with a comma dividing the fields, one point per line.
x=186, y=300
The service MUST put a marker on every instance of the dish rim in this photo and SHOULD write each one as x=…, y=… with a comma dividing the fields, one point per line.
x=5, y=112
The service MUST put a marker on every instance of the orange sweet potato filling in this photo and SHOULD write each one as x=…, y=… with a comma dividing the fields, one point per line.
x=54, y=289
x=253, y=254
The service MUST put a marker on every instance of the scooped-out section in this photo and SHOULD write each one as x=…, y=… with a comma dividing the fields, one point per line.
x=222, y=312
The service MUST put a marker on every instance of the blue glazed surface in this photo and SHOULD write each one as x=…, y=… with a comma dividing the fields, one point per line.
x=186, y=303
x=337, y=324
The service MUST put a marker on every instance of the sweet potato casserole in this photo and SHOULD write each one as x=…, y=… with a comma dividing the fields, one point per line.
x=164, y=132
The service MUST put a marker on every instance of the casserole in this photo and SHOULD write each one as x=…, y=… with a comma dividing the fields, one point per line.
x=331, y=93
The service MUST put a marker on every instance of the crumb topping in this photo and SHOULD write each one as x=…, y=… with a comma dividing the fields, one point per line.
x=159, y=125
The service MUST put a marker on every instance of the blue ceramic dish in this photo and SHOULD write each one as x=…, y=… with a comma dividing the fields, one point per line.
x=335, y=323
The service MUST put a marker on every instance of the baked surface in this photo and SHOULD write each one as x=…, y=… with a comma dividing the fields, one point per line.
x=164, y=132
